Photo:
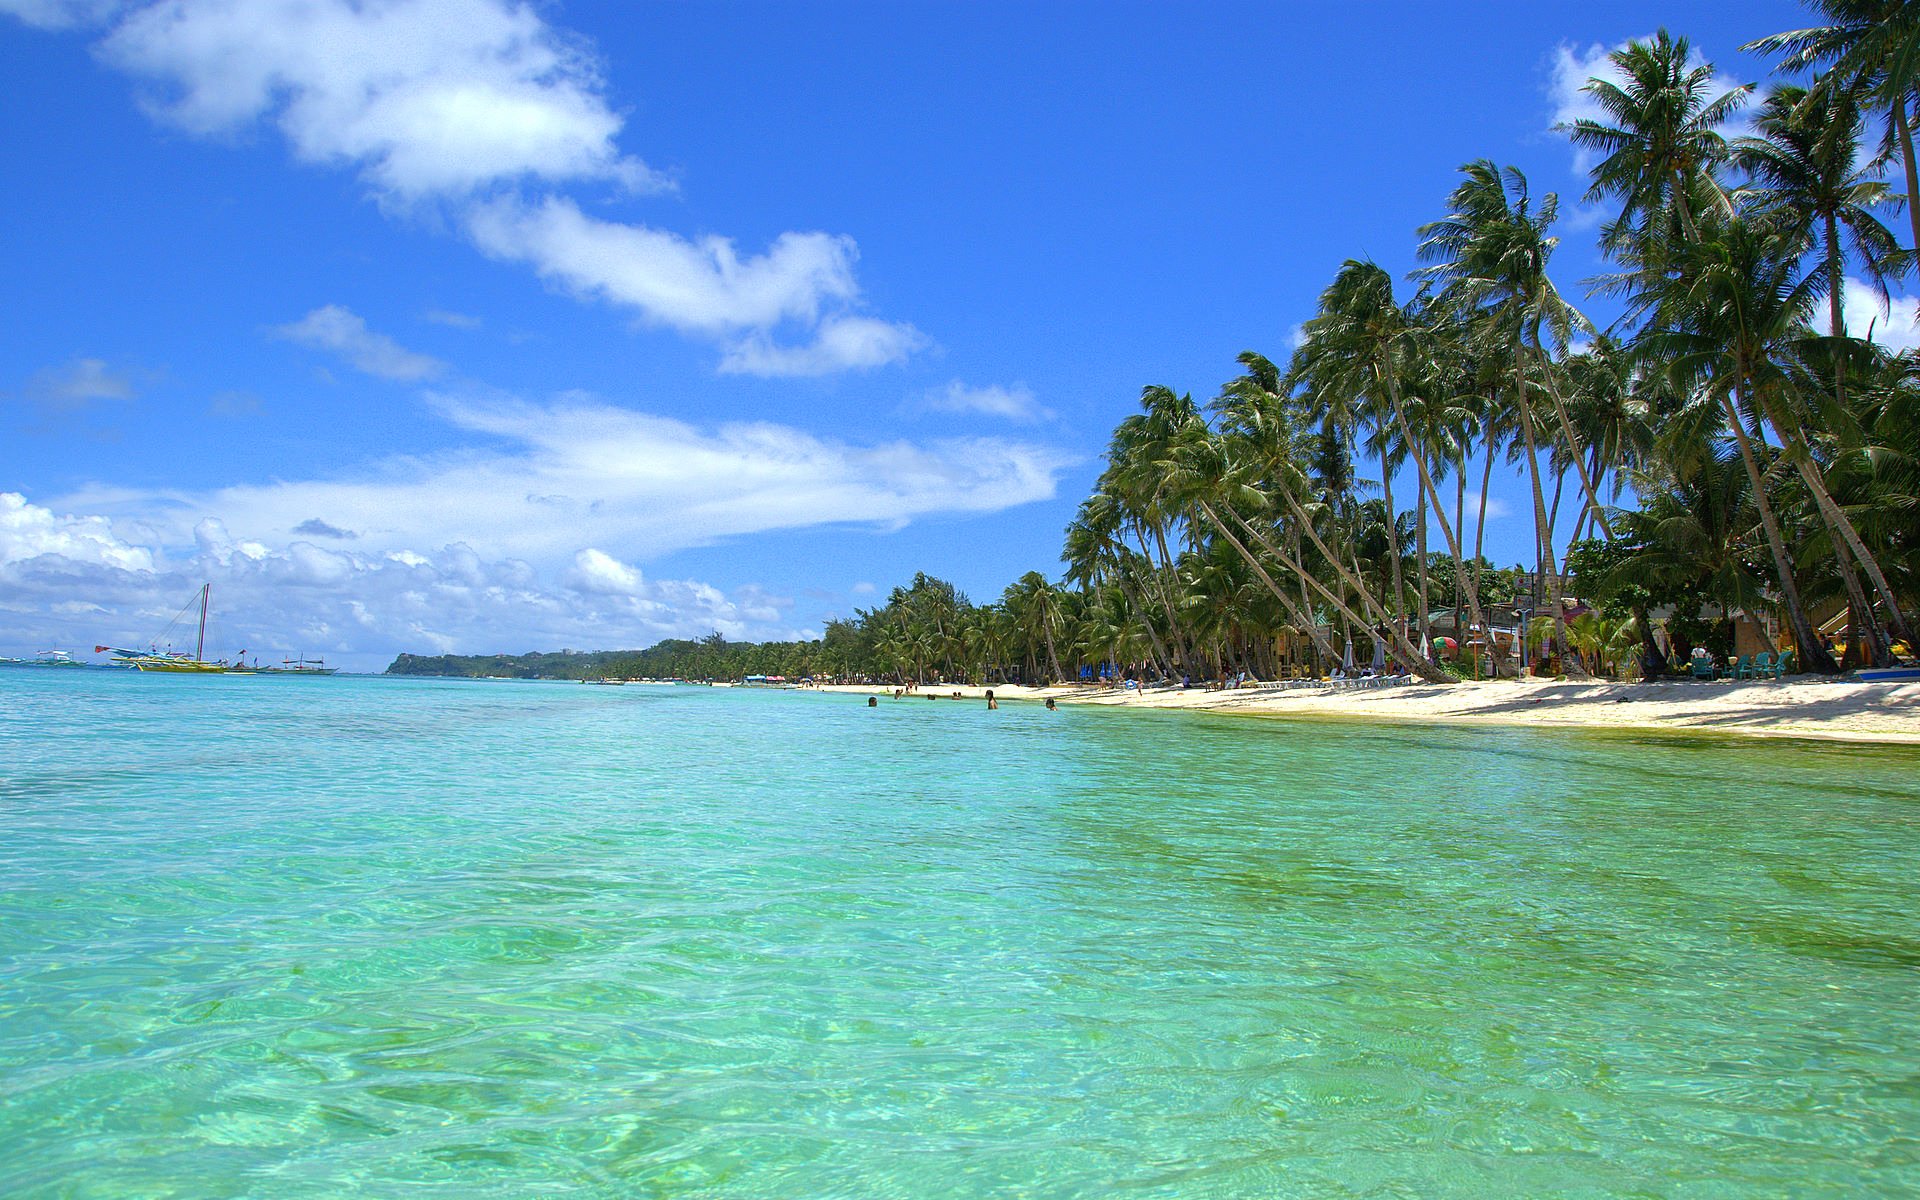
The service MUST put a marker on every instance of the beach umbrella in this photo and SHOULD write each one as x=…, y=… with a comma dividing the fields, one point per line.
x=1347, y=659
x=1379, y=655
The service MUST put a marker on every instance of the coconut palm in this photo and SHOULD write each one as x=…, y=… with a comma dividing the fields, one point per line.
x=1359, y=341
x=1658, y=144
x=1491, y=252
x=1871, y=50
x=1805, y=168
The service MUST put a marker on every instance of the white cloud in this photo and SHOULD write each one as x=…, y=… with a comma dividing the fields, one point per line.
x=59, y=14
x=863, y=588
x=1015, y=403
x=1894, y=324
x=344, y=333
x=356, y=610
x=452, y=320
x=482, y=107
x=534, y=545
x=28, y=531
x=579, y=472
x=702, y=286
x=598, y=571
x=425, y=97
x=839, y=344
x=78, y=384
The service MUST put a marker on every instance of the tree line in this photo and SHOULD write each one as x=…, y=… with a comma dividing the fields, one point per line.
x=1726, y=445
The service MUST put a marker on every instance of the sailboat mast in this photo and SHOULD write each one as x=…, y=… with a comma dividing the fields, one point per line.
x=200, y=647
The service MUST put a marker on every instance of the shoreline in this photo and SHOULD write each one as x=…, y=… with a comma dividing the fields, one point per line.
x=1805, y=707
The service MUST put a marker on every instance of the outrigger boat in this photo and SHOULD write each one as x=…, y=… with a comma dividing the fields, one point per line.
x=174, y=662
x=299, y=666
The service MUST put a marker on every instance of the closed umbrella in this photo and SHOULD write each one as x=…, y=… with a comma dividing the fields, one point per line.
x=1379, y=655
x=1347, y=659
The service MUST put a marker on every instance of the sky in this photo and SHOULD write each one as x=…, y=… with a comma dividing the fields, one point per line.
x=471, y=326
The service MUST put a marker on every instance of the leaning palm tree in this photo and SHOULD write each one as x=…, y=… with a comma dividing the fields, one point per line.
x=1491, y=252
x=1871, y=49
x=1360, y=339
x=1723, y=325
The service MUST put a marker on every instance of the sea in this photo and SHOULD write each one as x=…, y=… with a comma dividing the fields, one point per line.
x=367, y=936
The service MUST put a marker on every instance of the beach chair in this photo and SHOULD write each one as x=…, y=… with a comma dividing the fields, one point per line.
x=1784, y=665
x=1702, y=668
x=1761, y=666
x=1741, y=667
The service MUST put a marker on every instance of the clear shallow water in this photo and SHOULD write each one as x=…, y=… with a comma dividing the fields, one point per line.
x=403, y=937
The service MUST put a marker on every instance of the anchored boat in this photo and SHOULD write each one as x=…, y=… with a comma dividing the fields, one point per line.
x=174, y=662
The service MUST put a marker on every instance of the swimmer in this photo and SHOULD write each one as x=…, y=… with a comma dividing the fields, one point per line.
x=991, y=702
x=1050, y=704
x=873, y=702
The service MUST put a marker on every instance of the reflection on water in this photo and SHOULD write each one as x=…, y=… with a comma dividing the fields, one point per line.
x=387, y=936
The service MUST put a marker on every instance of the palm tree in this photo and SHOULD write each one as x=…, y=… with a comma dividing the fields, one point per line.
x=1722, y=326
x=1870, y=49
x=1358, y=342
x=1804, y=165
x=1492, y=255
x=1660, y=150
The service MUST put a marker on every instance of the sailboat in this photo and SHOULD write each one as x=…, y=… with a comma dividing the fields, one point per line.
x=172, y=661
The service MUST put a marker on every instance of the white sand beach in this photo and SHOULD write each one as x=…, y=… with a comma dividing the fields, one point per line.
x=1799, y=707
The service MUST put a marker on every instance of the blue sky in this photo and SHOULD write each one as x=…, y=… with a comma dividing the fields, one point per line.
x=468, y=326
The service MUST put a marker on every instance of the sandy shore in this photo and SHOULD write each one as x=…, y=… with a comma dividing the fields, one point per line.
x=1801, y=707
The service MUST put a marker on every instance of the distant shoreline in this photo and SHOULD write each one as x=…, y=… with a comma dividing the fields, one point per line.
x=1839, y=710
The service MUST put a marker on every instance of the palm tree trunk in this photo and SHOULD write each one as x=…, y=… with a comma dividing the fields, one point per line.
x=1423, y=669
x=1480, y=528
x=1837, y=522
x=1543, y=529
x=1811, y=651
x=1469, y=591
x=1903, y=128
x=1574, y=450
x=1420, y=569
x=1399, y=602
x=1286, y=601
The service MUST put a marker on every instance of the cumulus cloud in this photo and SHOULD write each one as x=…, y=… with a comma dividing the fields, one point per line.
x=1893, y=323
x=597, y=571
x=1015, y=403
x=580, y=472
x=355, y=609
x=533, y=542
x=425, y=97
x=29, y=532
x=78, y=385
x=343, y=332
x=704, y=286
x=839, y=344
x=481, y=108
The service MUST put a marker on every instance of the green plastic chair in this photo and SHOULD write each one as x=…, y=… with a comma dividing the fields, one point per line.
x=1762, y=666
x=1783, y=666
x=1702, y=668
x=1741, y=667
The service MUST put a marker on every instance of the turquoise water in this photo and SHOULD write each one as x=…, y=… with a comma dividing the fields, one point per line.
x=434, y=938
